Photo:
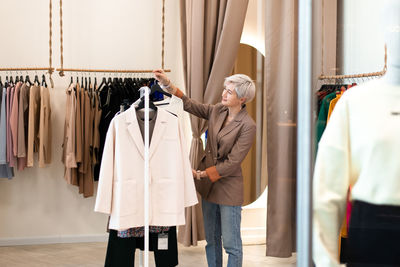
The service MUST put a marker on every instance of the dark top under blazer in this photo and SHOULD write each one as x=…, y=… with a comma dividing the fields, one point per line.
x=226, y=148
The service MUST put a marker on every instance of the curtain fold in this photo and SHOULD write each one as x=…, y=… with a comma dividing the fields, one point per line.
x=211, y=32
x=281, y=104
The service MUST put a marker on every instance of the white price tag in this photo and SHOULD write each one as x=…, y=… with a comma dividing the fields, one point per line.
x=162, y=241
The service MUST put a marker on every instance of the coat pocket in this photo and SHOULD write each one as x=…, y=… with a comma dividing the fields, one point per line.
x=124, y=197
x=167, y=195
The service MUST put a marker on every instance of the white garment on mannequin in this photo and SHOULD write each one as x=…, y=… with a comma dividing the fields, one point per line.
x=360, y=147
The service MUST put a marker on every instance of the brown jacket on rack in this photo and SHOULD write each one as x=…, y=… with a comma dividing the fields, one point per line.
x=225, y=150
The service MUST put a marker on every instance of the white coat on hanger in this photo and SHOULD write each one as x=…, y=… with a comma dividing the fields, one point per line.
x=120, y=190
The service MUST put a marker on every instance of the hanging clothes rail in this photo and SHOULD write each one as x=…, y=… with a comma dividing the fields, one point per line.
x=26, y=69
x=61, y=70
x=349, y=76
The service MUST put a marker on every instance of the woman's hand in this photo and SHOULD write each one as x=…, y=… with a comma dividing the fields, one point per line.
x=199, y=174
x=194, y=172
x=161, y=77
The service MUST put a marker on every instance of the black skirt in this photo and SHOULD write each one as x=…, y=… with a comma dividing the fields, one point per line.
x=374, y=235
x=121, y=251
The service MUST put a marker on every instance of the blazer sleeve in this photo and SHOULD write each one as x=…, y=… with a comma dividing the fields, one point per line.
x=230, y=165
x=194, y=107
x=106, y=176
x=190, y=196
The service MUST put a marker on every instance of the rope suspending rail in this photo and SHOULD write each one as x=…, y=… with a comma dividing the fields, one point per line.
x=109, y=71
x=356, y=76
x=26, y=69
x=342, y=77
x=61, y=70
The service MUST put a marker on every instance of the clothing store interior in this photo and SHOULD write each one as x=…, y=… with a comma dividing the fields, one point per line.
x=199, y=133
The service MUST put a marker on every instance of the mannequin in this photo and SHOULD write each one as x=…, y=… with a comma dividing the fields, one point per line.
x=361, y=148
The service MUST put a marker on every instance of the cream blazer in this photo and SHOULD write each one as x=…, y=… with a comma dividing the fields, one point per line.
x=121, y=181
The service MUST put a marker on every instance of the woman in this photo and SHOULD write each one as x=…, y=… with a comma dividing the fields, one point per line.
x=231, y=134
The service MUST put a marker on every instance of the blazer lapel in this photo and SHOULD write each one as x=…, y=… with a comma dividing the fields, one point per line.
x=238, y=118
x=133, y=129
x=218, y=124
x=228, y=128
x=158, y=131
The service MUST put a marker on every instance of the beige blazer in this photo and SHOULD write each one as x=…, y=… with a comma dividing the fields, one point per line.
x=68, y=156
x=33, y=123
x=226, y=148
x=23, y=120
x=121, y=182
x=45, y=134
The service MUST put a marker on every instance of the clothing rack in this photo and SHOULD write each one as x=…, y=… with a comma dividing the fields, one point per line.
x=62, y=70
x=26, y=69
x=49, y=70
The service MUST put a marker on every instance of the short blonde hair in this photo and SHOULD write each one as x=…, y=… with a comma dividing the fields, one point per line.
x=244, y=86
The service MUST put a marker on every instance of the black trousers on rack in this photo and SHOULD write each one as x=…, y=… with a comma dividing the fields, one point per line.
x=374, y=235
x=121, y=251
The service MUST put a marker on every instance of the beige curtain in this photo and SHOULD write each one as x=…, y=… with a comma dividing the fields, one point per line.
x=281, y=103
x=211, y=31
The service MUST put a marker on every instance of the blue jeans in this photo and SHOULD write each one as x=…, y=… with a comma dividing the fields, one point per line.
x=222, y=221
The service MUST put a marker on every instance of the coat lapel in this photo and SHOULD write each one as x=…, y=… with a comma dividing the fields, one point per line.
x=133, y=129
x=238, y=118
x=158, y=131
x=218, y=125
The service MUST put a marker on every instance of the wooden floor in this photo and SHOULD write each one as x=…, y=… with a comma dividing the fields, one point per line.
x=92, y=255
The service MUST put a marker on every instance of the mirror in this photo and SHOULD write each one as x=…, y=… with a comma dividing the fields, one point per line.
x=250, y=61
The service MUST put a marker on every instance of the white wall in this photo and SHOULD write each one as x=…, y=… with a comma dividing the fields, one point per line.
x=37, y=205
x=254, y=26
x=363, y=43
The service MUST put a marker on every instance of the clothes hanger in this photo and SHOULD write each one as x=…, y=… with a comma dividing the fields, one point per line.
x=28, y=80
x=6, y=82
x=157, y=88
x=44, y=81
x=36, y=80
x=102, y=84
x=141, y=104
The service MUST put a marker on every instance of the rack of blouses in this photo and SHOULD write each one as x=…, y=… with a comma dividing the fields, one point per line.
x=90, y=107
x=25, y=123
